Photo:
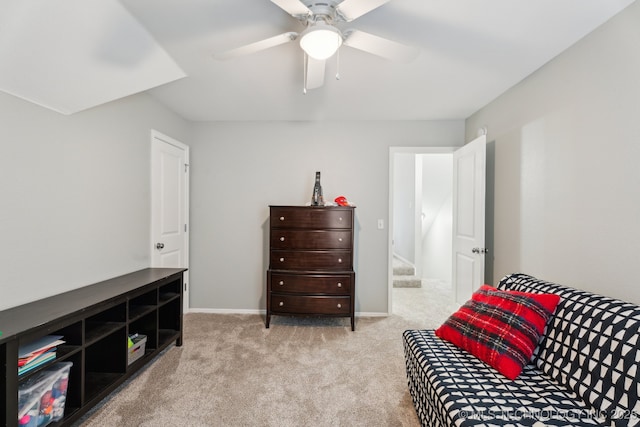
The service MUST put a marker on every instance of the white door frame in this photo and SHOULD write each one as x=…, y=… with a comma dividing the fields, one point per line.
x=417, y=216
x=155, y=135
x=392, y=152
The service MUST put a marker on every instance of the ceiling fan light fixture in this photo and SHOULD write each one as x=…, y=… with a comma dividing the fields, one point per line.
x=321, y=41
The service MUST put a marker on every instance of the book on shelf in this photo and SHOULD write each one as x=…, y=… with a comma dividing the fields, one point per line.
x=38, y=361
x=38, y=352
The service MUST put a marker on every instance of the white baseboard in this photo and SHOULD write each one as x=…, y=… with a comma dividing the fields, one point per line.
x=371, y=314
x=225, y=311
x=262, y=311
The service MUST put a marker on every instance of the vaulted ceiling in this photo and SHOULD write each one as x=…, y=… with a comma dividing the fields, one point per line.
x=69, y=56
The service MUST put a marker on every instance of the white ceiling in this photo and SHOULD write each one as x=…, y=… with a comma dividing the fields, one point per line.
x=70, y=55
x=471, y=52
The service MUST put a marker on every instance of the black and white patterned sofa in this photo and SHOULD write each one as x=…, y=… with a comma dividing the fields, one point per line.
x=585, y=371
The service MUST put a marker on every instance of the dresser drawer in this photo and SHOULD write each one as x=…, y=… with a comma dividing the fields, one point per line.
x=299, y=304
x=310, y=217
x=311, y=284
x=335, y=260
x=310, y=239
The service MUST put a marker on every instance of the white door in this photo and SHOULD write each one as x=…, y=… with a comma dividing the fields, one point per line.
x=169, y=205
x=468, y=218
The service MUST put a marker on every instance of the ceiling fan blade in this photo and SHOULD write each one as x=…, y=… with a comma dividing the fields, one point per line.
x=314, y=77
x=257, y=46
x=352, y=9
x=293, y=7
x=382, y=47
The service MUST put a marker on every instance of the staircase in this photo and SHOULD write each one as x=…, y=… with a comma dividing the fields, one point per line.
x=404, y=275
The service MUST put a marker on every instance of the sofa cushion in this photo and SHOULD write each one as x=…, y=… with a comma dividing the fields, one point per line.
x=592, y=346
x=451, y=387
x=501, y=328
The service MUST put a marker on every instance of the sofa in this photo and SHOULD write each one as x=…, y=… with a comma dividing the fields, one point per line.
x=585, y=370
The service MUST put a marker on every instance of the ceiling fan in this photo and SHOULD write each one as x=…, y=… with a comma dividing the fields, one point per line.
x=321, y=38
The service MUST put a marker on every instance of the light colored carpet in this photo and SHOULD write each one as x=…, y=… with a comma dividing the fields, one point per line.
x=232, y=371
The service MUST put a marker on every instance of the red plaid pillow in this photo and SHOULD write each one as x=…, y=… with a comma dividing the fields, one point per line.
x=501, y=328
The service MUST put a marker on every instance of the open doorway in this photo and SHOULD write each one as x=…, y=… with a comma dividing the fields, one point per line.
x=420, y=225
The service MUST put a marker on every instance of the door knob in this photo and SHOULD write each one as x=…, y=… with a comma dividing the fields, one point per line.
x=159, y=246
x=480, y=250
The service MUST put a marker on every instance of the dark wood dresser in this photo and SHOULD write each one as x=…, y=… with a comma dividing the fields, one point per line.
x=311, y=262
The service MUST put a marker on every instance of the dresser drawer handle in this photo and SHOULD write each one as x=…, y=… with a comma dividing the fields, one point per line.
x=339, y=284
x=281, y=259
x=340, y=260
x=339, y=239
x=281, y=218
x=282, y=239
x=340, y=219
x=339, y=305
x=281, y=283
x=281, y=303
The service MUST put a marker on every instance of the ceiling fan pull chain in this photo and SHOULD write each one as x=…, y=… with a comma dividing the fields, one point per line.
x=304, y=77
x=338, y=65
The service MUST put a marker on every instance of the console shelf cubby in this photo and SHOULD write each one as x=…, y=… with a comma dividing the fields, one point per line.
x=94, y=321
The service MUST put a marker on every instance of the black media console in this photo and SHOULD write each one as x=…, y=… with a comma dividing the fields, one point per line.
x=95, y=321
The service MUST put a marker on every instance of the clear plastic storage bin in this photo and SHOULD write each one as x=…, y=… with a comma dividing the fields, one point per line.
x=42, y=397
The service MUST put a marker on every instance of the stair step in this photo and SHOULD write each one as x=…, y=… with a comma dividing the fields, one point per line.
x=401, y=268
x=407, y=282
x=404, y=271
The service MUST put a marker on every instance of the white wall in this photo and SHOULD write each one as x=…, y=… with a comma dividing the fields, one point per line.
x=567, y=150
x=437, y=208
x=74, y=193
x=239, y=169
x=438, y=245
x=404, y=200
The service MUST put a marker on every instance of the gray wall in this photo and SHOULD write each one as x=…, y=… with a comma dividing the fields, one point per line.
x=567, y=175
x=239, y=169
x=74, y=193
